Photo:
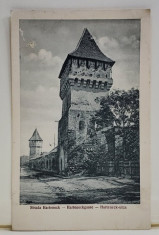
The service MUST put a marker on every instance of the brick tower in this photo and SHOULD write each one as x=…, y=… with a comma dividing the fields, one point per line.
x=35, y=144
x=85, y=77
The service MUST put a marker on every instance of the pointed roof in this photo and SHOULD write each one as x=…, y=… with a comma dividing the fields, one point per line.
x=87, y=48
x=36, y=136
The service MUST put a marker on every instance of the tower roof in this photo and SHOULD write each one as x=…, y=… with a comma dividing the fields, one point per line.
x=36, y=136
x=87, y=48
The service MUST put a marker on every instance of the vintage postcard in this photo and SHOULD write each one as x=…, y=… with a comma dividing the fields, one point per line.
x=81, y=110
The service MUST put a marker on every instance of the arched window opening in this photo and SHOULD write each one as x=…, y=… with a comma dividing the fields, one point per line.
x=76, y=80
x=100, y=82
x=88, y=82
x=53, y=164
x=50, y=164
x=82, y=81
x=81, y=125
x=47, y=164
x=94, y=83
x=105, y=84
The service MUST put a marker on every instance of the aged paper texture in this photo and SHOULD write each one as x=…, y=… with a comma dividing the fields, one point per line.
x=80, y=119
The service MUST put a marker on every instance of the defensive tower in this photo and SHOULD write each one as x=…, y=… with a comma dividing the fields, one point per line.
x=35, y=144
x=85, y=77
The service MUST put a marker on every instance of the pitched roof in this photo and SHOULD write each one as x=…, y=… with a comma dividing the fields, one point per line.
x=87, y=48
x=36, y=136
x=54, y=150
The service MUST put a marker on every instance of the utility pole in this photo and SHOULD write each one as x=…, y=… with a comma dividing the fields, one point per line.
x=54, y=140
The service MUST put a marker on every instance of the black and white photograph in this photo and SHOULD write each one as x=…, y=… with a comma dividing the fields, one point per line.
x=79, y=111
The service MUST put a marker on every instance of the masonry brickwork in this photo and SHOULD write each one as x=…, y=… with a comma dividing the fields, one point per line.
x=85, y=78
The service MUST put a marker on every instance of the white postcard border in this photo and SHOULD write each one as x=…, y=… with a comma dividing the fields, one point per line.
x=135, y=216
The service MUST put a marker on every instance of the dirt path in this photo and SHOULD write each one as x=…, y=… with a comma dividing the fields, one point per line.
x=37, y=188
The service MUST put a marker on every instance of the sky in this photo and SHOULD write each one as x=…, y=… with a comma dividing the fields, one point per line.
x=45, y=44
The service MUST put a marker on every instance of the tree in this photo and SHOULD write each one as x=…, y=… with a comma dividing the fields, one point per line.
x=87, y=159
x=120, y=109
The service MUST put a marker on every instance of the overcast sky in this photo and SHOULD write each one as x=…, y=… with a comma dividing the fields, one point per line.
x=44, y=45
